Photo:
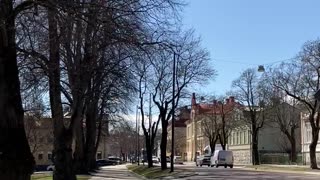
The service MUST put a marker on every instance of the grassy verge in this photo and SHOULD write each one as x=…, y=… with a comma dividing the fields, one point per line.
x=151, y=173
x=278, y=168
x=49, y=177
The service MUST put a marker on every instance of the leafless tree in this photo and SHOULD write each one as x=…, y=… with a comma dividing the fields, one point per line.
x=192, y=67
x=300, y=80
x=249, y=93
x=16, y=160
x=210, y=126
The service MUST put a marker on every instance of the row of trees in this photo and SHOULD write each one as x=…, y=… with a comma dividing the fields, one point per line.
x=87, y=57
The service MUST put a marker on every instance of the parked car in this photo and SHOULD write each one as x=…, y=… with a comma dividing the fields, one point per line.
x=155, y=159
x=105, y=162
x=50, y=167
x=115, y=160
x=203, y=160
x=222, y=158
x=178, y=160
x=168, y=158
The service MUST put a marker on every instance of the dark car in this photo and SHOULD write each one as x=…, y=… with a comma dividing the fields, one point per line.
x=105, y=162
x=115, y=160
x=203, y=160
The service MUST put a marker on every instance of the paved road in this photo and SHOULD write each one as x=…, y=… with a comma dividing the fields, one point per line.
x=239, y=173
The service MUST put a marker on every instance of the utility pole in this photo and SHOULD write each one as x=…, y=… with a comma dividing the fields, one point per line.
x=150, y=119
x=173, y=109
x=137, y=141
x=139, y=151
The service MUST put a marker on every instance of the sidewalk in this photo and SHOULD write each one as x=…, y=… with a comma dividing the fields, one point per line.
x=114, y=172
x=283, y=168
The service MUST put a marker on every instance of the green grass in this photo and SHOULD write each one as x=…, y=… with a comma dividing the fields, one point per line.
x=49, y=177
x=150, y=173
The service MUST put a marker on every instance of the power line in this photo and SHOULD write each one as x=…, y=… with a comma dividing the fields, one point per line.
x=252, y=64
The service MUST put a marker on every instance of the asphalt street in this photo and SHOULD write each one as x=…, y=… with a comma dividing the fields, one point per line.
x=205, y=172
x=240, y=173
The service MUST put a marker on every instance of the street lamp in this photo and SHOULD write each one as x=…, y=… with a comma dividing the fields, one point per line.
x=138, y=134
x=173, y=109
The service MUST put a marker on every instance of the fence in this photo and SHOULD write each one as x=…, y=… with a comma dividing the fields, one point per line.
x=278, y=158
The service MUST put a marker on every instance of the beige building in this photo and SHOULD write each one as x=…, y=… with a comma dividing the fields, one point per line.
x=306, y=137
x=197, y=142
x=39, y=132
x=179, y=133
x=272, y=141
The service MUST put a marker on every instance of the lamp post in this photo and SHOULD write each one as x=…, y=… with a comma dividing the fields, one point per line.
x=138, y=141
x=173, y=109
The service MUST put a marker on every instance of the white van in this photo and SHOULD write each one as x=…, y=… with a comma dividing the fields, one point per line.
x=222, y=158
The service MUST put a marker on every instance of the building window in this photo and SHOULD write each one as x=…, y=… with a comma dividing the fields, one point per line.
x=49, y=156
x=309, y=133
x=238, y=137
x=40, y=156
x=234, y=138
x=242, y=137
x=99, y=155
x=246, y=137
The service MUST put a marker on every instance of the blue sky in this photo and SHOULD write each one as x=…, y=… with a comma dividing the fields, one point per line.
x=245, y=33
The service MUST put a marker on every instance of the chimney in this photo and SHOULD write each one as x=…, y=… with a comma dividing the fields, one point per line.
x=227, y=101
x=231, y=99
x=193, y=99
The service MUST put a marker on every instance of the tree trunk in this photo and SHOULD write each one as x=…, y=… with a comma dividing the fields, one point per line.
x=91, y=139
x=16, y=160
x=312, y=148
x=149, y=153
x=213, y=143
x=222, y=143
x=255, y=150
x=79, y=161
x=62, y=136
x=293, y=154
x=163, y=145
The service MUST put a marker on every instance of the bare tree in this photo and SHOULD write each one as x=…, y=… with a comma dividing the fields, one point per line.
x=211, y=126
x=151, y=132
x=192, y=67
x=16, y=160
x=248, y=92
x=287, y=118
x=300, y=80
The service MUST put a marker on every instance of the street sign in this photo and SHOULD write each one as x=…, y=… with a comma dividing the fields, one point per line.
x=317, y=95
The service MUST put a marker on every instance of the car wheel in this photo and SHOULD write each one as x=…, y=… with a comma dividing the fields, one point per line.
x=217, y=165
x=212, y=165
x=231, y=166
x=225, y=166
x=200, y=165
x=208, y=165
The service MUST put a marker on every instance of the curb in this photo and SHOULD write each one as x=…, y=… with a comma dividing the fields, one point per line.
x=282, y=171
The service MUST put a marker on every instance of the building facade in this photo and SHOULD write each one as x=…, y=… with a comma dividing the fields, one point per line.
x=179, y=133
x=196, y=135
x=306, y=138
x=39, y=132
x=272, y=141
